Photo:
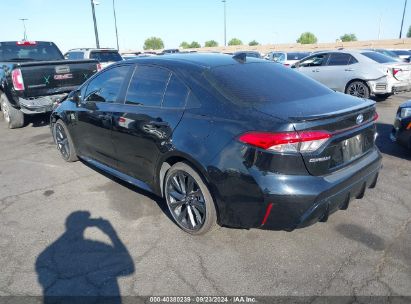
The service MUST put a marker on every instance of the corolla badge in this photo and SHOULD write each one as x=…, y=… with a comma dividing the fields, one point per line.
x=360, y=119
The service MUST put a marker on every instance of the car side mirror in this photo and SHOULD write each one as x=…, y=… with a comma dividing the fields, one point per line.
x=75, y=96
x=295, y=65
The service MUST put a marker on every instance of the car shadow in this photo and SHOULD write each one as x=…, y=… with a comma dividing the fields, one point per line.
x=161, y=203
x=75, y=269
x=38, y=120
x=361, y=235
x=385, y=144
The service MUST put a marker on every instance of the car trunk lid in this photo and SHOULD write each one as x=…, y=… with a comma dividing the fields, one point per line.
x=53, y=77
x=349, y=121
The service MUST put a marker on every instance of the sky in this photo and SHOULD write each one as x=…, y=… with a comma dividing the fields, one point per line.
x=69, y=23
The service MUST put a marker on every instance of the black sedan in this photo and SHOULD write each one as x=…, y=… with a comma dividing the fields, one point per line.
x=401, y=132
x=226, y=140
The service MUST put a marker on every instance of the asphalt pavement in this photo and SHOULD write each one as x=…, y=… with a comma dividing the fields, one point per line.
x=67, y=227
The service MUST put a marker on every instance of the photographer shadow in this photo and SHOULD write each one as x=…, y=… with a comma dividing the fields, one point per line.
x=74, y=269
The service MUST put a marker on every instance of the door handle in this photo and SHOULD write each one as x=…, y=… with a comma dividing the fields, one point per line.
x=316, y=70
x=349, y=70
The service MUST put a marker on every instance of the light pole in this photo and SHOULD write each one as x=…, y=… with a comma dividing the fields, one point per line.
x=115, y=24
x=24, y=26
x=225, y=21
x=403, y=14
x=95, y=24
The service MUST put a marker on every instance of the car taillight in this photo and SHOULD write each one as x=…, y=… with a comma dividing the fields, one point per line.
x=303, y=141
x=395, y=71
x=17, y=78
x=376, y=116
x=26, y=43
x=99, y=67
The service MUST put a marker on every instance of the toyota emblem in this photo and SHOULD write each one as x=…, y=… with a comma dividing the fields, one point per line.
x=360, y=119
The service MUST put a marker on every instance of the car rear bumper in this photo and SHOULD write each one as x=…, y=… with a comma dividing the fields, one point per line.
x=42, y=104
x=293, y=201
x=401, y=88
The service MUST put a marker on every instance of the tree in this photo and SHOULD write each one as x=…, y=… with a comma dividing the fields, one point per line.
x=307, y=38
x=185, y=45
x=348, y=37
x=195, y=45
x=253, y=43
x=211, y=43
x=235, y=41
x=153, y=43
x=409, y=32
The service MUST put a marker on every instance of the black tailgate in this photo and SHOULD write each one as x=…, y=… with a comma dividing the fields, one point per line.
x=54, y=77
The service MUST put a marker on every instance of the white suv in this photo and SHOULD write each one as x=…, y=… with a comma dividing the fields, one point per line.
x=104, y=56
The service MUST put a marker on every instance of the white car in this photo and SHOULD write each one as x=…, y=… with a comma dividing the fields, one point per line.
x=287, y=59
x=361, y=73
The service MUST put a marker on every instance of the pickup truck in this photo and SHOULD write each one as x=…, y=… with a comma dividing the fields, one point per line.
x=34, y=76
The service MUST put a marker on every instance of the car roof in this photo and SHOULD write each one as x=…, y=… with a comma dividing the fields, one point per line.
x=205, y=60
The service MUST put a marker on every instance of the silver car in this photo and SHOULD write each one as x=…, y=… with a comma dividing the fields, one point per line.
x=361, y=73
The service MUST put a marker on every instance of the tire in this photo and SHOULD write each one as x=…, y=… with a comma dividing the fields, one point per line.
x=13, y=117
x=64, y=142
x=358, y=88
x=193, y=212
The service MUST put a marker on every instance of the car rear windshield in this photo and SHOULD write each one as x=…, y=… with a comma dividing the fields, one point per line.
x=296, y=56
x=29, y=51
x=260, y=83
x=106, y=56
x=377, y=57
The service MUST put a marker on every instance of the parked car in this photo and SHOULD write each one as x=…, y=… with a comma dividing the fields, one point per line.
x=104, y=56
x=128, y=56
x=252, y=54
x=239, y=143
x=401, y=132
x=170, y=51
x=359, y=73
x=403, y=54
x=287, y=59
x=34, y=75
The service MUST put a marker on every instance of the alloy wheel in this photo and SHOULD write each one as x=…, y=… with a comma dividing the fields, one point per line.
x=357, y=89
x=186, y=201
x=62, y=141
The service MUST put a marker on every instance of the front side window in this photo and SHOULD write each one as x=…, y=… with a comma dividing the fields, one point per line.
x=106, y=87
x=314, y=61
x=147, y=86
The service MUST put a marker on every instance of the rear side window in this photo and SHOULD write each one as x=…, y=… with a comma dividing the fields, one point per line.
x=377, y=57
x=75, y=55
x=176, y=93
x=106, y=87
x=341, y=59
x=263, y=83
x=147, y=86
